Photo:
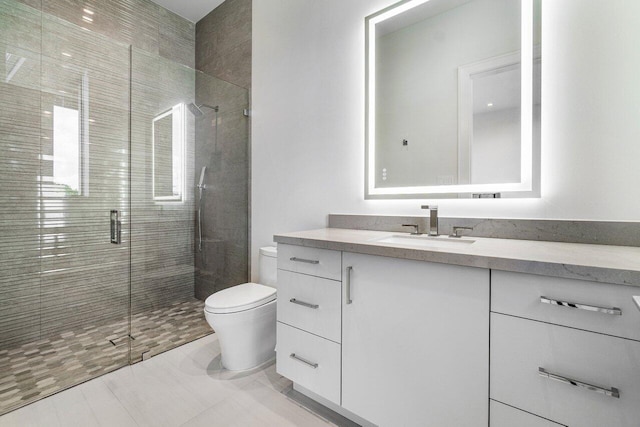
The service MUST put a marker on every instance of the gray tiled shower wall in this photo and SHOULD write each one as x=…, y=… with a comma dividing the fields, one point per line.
x=57, y=267
x=223, y=42
x=223, y=50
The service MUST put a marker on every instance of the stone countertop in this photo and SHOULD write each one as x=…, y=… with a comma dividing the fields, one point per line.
x=600, y=263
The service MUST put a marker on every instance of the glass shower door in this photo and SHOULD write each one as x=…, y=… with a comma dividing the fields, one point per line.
x=64, y=166
x=84, y=202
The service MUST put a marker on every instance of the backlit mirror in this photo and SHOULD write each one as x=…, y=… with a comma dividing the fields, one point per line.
x=168, y=136
x=453, y=99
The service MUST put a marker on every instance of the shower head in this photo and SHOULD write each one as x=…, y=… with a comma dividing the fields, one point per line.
x=196, y=110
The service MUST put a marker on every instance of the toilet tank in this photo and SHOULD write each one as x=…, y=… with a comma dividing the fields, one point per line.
x=268, y=266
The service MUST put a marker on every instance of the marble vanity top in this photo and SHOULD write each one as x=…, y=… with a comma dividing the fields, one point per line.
x=600, y=263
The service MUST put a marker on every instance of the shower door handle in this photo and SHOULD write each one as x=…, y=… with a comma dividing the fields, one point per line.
x=116, y=227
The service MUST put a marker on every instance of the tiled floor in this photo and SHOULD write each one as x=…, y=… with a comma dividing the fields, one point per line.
x=43, y=367
x=186, y=386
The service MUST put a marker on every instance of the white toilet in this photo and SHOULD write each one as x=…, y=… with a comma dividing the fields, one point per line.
x=244, y=317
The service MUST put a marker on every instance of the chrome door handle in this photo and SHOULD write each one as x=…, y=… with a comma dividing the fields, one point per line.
x=116, y=227
x=348, y=284
x=305, y=361
x=308, y=261
x=613, y=310
x=611, y=392
x=304, y=304
x=636, y=299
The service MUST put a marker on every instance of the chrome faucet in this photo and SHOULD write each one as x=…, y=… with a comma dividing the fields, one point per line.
x=433, y=219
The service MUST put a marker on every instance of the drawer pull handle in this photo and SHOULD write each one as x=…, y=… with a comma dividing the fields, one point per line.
x=308, y=261
x=637, y=301
x=348, y=284
x=305, y=361
x=612, y=392
x=304, y=304
x=614, y=310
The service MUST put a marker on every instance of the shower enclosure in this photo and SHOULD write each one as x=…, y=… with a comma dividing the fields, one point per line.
x=98, y=201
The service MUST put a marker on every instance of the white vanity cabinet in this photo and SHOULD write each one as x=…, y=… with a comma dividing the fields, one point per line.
x=572, y=362
x=415, y=342
x=396, y=342
x=309, y=319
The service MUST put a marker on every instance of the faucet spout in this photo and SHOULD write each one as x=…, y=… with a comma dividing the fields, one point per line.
x=433, y=219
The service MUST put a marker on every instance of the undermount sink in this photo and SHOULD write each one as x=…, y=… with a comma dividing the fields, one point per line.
x=425, y=241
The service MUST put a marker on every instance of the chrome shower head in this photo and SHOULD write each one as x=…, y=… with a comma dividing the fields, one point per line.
x=195, y=110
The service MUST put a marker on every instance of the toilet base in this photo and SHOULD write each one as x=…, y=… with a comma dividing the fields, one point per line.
x=247, y=338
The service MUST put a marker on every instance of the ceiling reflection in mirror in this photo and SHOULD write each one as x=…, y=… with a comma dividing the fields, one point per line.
x=453, y=98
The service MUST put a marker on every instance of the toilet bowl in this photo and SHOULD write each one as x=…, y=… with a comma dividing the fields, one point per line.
x=244, y=317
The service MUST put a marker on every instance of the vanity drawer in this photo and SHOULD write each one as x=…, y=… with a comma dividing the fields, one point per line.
x=507, y=416
x=520, y=347
x=310, y=361
x=520, y=295
x=310, y=303
x=313, y=261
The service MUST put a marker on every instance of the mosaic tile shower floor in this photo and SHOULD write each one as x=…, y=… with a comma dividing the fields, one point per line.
x=32, y=371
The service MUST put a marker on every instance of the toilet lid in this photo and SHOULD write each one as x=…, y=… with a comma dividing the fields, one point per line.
x=240, y=298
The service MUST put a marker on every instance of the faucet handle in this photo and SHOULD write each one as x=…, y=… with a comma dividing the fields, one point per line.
x=456, y=229
x=415, y=226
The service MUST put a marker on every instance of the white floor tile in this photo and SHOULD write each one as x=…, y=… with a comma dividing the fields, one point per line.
x=151, y=397
x=105, y=405
x=185, y=386
x=37, y=414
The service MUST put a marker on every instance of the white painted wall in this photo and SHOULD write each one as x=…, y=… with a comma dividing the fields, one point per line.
x=308, y=117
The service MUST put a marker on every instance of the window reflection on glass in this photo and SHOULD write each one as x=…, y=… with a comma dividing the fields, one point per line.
x=13, y=64
x=168, y=136
x=66, y=149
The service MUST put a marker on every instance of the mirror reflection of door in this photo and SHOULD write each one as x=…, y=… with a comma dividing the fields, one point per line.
x=495, y=147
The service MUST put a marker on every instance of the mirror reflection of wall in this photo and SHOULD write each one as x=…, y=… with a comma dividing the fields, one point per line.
x=417, y=85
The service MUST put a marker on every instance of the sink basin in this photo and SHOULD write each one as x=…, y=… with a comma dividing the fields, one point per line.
x=423, y=241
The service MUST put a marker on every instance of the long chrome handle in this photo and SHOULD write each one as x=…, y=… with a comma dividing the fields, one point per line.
x=637, y=301
x=611, y=392
x=348, y=284
x=613, y=310
x=116, y=227
x=308, y=261
x=305, y=361
x=304, y=304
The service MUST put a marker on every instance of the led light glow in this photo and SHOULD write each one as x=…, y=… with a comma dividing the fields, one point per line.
x=526, y=168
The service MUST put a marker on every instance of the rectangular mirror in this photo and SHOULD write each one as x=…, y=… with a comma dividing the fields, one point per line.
x=453, y=99
x=168, y=136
